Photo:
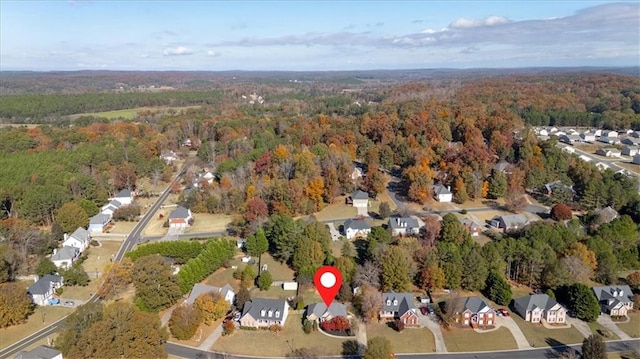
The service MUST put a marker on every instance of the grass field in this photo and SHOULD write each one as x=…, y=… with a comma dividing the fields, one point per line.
x=630, y=166
x=410, y=340
x=206, y=222
x=264, y=343
x=633, y=326
x=41, y=317
x=130, y=113
x=597, y=328
x=467, y=340
x=539, y=336
x=336, y=210
x=121, y=227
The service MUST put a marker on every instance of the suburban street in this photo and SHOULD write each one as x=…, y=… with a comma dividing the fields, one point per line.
x=130, y=241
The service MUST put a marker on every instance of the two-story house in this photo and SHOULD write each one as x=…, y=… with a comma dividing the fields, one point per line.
x=473, y=311
x=180, y=218
x=356, y=228
x=44, y=288
x=359, y=199
x=403, y=226
x=261, y=312
x=398, y=306
x=614, y=300
x=535, y=308
x=80, y=238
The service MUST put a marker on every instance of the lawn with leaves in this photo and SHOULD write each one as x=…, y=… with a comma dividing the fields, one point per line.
x=41, y=317
x=410, y=340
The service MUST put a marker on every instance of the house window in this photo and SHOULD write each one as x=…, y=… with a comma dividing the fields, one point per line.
x=466, y=315
x=277, y=314
x=395, y=302
x=270, y=313
x=388, y=302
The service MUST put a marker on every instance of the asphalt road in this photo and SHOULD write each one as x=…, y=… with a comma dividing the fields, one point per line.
x=543, y=353
x=132, y=239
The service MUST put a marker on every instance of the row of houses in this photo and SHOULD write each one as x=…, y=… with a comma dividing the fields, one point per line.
x=99, y=222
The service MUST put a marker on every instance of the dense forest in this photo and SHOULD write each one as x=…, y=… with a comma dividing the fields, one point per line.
x=294, y=154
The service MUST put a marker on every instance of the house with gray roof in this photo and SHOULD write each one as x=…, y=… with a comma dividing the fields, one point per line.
x=442, y=193
x=614, y=300
x=570, y=139
x=98, y=222
x=609, y=140
x=261, y=312
x=111, y=207
x=502, y=166
x=65, y=256
x=359, y=199
x=472, y=226
x=510, y=222
x=80, y=238
x=44, y=288
x=537, y=307
x=398, y=306
x=356, y=228
x=606, y=215
x=198, y=289
x=125, y=197
x=630, y=150
x=472, y=311
x=608, y=152
x=403, y=226
x=39, y=352
x=318, y=312
x=180, y=218
x=631, y=141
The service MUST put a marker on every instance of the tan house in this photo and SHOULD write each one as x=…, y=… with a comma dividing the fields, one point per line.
x=263, y=313
x=535, y=308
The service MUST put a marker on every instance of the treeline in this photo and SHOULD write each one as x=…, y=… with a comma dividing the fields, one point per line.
x=179, y=251
x=20, y=108
x=213, y=256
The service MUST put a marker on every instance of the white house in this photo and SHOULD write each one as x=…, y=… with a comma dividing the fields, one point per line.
x=180, y=218
x=588, y=137
x=360, y=199
x=356, y=228
x=608, y=152
x=39, y=352
x=65, y=256
x=610, y=134
x=168, y=156
x=198, y=289
x=403, y=226
x=44, y=288
x=125, y=197
x=110, y=207
x=80, y=239
x=98, y=222
x=630, y=150
x=535, y=308
x=356, y=174
x=609, y=140
x=442, y=193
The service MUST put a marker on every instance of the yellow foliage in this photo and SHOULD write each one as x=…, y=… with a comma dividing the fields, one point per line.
x=281, y=153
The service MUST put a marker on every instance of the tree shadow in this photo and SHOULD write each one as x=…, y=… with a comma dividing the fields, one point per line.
x=350, y=347
x=558, y=349
x=361, y=250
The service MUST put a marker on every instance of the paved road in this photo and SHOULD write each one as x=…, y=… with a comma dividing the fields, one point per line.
x=543, y=353
x=131, y=240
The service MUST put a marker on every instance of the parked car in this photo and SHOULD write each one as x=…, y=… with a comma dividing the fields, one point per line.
x=69, y=303
x=503, y=312
x=424, y=310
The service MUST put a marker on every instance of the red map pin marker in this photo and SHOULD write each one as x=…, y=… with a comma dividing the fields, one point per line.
x=328, y=281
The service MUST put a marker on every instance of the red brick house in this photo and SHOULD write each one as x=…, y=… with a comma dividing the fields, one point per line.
x=399, y=306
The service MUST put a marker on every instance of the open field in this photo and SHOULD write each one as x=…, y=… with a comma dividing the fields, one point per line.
x=265, y=343
x=41, y=317
x=337, y=209
x=467, y=340
x=206, y=222
x=633, y=326
x=410, y=340
x=130, y=113
x=539, y=336
x=122, y=227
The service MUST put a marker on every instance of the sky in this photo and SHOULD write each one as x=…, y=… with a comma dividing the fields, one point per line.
x=315, y=35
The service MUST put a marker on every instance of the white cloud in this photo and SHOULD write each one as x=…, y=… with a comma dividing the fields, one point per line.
x=462, y=22
x=213, y=53
x=177, y=51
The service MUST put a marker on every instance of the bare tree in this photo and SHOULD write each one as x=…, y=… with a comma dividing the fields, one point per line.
x=367, y=274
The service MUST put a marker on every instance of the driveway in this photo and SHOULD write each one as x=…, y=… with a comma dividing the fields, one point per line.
x=431, y=323
x=606, y=322
x=510, y=324
x=335, y=234
x=363, y=211
x=582, y=327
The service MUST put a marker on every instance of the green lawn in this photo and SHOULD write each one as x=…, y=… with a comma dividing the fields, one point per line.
x=264, y=343
x=539, y=336
x=410, y=340
x=467, y=340
x=633, y=326
x=597, y=328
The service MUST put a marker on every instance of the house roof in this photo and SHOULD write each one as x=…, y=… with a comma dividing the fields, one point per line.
x=514, y=220
x=398, y=302
x=501, y=166
x=607, y=212
x=259, y=308
x=320, y=310
x=552, y=186
x=403, y=222
x=199, y=289
x=471, y=224
x=40, y=352
x=473, y=304
x=357, y=224
x=609, y=149
x=439, y=189
x=179, y=212
x=65, y=253
x=531, y=302
x=360, y=195
x=611, y=295
x=43, y=285
x=124, y=193
x=80, y=234
x=99, y=218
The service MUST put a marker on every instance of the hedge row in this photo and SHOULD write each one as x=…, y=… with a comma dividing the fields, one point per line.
x=212, y=257
x=180, y=251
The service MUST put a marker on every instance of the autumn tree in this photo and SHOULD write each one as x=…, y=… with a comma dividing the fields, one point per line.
x=76, y=326
x=242, y=297
x=115, y=279
x=211, y=306
x=582, y=252
x=431, y=277
x=561, y=212
x=370, y=303
x=16, y=304
x=71, y=216
x=367, y=274
x=156, y=287
x=384, y=210
x=395, y=271
x=377, y=348
x=184, y=322
x=633, y=280
x=256, y=210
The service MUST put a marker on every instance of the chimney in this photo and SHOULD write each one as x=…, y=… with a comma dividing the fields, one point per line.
x=55, y=250
x=621, y=292
x=449, y=188
x=65, y=236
